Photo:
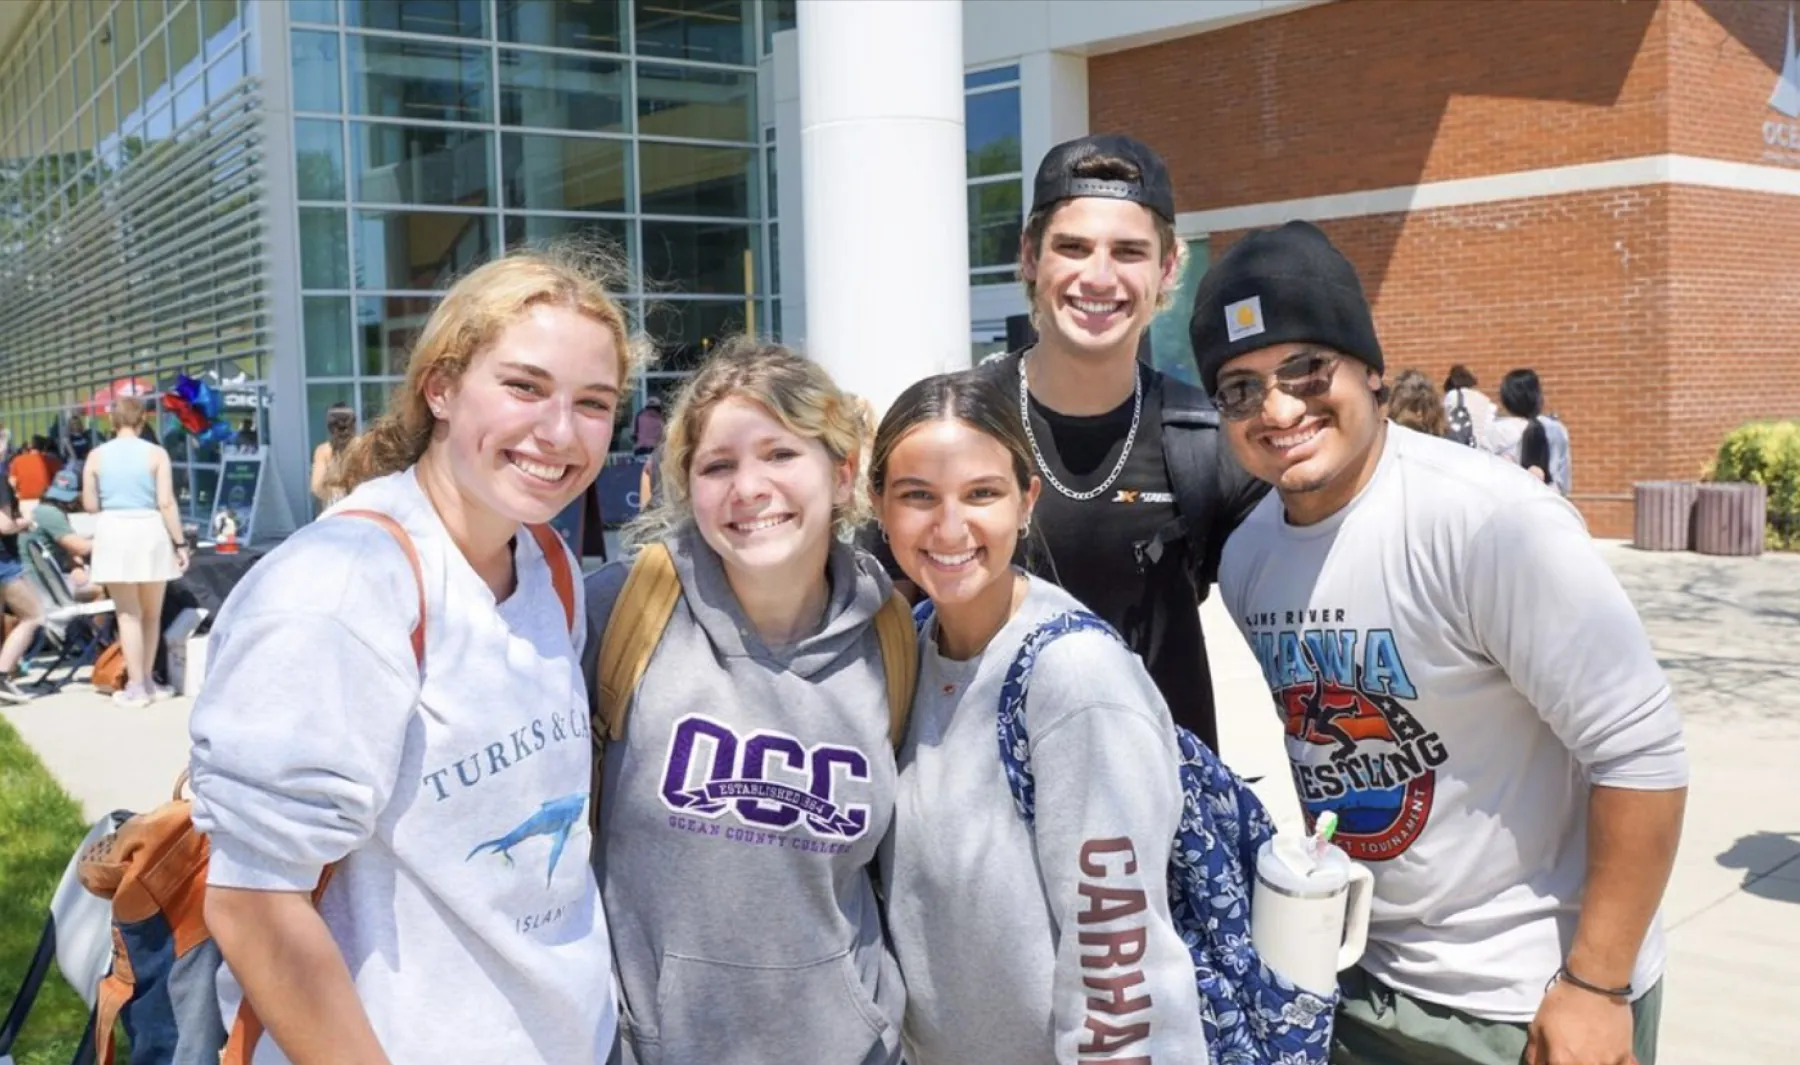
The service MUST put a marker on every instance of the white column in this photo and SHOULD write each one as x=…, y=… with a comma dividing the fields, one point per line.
x=886, y=197
x=284, y=367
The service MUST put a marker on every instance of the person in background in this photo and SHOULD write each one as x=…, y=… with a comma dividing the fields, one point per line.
x=139, y=545
x=1469, y=414
x=747, y=929
x=647, y=427
x=21, y=598
x=78, y=440
x=994, y=918
x=1415, y=403
x=31, y=472
x=70, y=550
x=327, y=480
x=417, y=721
x=650, y=481
x=1520, y=435
x=1461, y=679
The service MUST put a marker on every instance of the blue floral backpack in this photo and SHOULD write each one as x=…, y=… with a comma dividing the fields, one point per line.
x=1252, y=1015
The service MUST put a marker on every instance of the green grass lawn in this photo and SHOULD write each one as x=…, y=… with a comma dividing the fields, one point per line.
x=40, y=827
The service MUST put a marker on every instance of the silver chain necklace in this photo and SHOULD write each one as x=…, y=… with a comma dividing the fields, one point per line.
x=1137, y=410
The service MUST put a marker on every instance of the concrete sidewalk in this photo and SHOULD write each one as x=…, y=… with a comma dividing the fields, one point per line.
x=1727, y=631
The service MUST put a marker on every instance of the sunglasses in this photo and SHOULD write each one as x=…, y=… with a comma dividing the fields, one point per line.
x=1307, y=376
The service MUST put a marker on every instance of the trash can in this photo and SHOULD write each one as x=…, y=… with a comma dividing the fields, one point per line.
x=1663, y=515
x=1729, y=519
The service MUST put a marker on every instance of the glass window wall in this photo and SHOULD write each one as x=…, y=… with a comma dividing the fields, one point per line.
x=433, y=135
x=996, y=177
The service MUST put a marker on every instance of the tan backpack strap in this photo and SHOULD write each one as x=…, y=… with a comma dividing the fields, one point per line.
x=900, y=657
x=633, y=631
x=400, y=536
x=561, y=576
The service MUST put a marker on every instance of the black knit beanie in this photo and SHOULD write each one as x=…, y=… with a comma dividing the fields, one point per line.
x=1280, y=286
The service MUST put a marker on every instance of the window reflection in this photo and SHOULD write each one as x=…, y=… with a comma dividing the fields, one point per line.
x=422, y=164
x=319, y=159
x=442, y=18
x=995, y=219
x=992, y=125
x=389, y=327
x=688, y=179
x=546, y=173
x=419, y=250
x=562, y=92
x=712, y=31
x=397, y=78
x=591, y=25
x=697, y=104
x=612, y=234
x=701, y=258
x=685, y=332
x=327, y=333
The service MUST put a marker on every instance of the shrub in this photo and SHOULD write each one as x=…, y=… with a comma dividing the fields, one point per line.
x=1767, y=453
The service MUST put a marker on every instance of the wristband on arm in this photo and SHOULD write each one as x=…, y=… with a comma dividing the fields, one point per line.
x=1619, y=994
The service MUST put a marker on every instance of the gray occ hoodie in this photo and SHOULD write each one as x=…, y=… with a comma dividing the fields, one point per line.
x=739, y=815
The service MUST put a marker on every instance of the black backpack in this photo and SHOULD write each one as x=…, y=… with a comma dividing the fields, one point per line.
x=1462, y=423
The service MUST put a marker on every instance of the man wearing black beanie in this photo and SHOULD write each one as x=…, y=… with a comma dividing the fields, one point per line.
x=1462, y=682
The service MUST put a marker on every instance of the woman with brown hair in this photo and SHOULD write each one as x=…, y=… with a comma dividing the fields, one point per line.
x=139, y=545
x=328, y=458
x=395, y=714
x=1415, y=403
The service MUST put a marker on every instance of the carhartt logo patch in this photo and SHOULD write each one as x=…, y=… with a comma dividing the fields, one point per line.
x=1244, y=319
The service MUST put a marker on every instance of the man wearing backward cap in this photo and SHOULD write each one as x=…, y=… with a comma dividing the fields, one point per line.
x=1462, y=680
x=1140, y=492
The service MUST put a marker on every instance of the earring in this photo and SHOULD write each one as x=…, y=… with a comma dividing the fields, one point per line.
x=883, y=529
x=1025, y=530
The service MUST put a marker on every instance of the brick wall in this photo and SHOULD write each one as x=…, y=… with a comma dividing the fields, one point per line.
x=1732, y=336
x=1654, y=315
x=1365, y=94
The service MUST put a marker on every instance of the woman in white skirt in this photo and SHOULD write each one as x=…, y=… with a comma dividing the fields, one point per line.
x=138, y=543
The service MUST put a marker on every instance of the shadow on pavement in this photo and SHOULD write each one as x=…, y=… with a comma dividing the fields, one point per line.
x=1771, y=864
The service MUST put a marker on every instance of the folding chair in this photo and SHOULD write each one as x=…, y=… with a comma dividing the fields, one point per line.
x=70, y=626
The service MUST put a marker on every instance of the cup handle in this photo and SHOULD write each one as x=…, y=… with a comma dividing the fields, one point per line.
x=1357, y=902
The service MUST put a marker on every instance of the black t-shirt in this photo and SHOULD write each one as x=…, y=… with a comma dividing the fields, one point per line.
x=1099, y=549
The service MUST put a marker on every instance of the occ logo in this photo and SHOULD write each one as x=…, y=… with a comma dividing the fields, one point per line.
x=768, y=779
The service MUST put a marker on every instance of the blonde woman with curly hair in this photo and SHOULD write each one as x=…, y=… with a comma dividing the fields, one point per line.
x=745, y=794
x=391, y=754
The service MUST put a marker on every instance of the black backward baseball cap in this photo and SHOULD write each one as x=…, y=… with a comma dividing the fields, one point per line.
x=1057, y=181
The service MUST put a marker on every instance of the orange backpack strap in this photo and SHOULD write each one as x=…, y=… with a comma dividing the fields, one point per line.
x=400, y=536
x=562, y=576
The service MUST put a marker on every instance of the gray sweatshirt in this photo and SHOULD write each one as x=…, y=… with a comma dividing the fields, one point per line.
x=465, y=906
x=739, y=815
x=1025, y=946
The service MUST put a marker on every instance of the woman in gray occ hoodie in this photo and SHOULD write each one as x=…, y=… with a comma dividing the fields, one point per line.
x=1022, y=944
x=743, y=804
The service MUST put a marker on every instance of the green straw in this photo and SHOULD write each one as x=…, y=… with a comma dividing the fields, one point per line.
x=1327, y=825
